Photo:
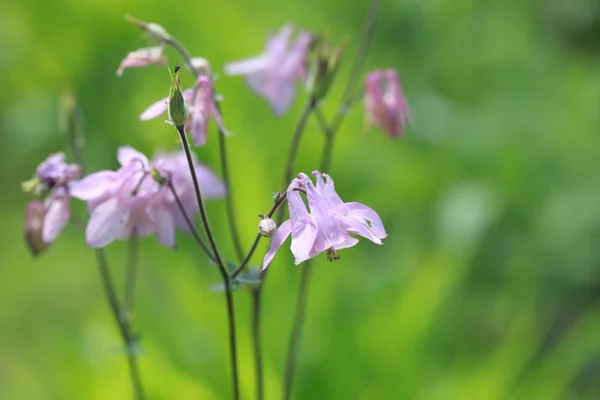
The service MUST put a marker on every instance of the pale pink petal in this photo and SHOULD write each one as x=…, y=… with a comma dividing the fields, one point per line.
x=359, y=210
x=304, y=233
x=93, y=185
x=198, y=128
x=57, y=216
x=210, y=184
x=156, y=109
x=358, y=227
x=277, y=240
x=107, y=223
x=142, y=58
x=127, y=154
x=165, y=224
x=247, y=66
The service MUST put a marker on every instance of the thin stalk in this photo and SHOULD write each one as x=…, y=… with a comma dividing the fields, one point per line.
x=256, y=343
x=189, y=222
x=237, y=245
x=219, y=260
x=123, y=323
x=75, y=140
x=130, y=277
x=294, y=342
x=231, y=220
x=330, y=133
x=246, y=259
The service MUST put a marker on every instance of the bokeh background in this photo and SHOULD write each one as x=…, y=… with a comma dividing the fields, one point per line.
x=487, y=287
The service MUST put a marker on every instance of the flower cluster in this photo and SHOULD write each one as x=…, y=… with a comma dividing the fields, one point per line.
x=327, y=224
x=129, y=201
x=141, y=198
x=45, y=219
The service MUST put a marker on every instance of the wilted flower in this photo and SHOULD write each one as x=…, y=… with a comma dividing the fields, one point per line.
x=201, y=108
x=45, y=220
x=143, y=58
x=130, y=202
x=328, y=225
x=273, y=74
x=385, y=104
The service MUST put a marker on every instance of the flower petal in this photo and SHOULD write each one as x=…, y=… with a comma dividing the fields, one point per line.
x=127, y=154
x=248, y=66
x=93, y=185
x=155, y=109
x=57, y=216
x=165, y=224
x=359, y=210
x=359, y=227
x=277, y=240
x=304, y=233
x=106, y=223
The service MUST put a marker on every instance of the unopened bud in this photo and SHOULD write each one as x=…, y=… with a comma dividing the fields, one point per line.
x=158, y=178
x=154, y=31
x=178, y=110
x=200, y=66
x=34, y=224
x=267, y=227
x=324, y=69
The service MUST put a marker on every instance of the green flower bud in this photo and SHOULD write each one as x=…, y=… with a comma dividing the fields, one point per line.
x=324, y=69
x=178, y=110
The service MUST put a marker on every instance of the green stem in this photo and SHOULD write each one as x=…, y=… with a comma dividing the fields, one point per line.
x=222, y=269
x=130, y=277
x=76, y=142
x=330, y=133
x=256, y=343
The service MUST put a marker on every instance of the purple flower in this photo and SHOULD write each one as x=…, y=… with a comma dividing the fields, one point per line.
x=143, y=58
x=385, y=104
x=201, y=109
x=45, y=220
x=273, y=74
x=130, y=202
x=328, y=225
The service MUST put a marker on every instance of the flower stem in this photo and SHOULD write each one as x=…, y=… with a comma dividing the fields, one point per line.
x=222, y=153
x=76, y=141
x=219, y=260
x=294, y=343
x=256, y=343
x=228, y=193
x=188, y=221
x=123, y=323
x=330, y=132
x=130, y=277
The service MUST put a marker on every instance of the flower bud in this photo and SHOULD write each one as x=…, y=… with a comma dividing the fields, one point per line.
x=34, y=223
x=200, y=66
x=324, y=69
x=178, y=110
x=267, y=227
x=154, y=31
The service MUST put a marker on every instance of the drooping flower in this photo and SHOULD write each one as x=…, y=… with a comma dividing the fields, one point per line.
x=143, y=58
x=328, y=225
x=45, y=219
x=201, y=108
x=274, y=73
x=385, y=104
x=130, y=202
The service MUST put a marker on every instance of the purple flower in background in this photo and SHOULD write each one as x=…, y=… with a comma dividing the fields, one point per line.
x=130, y=202
x=201, y=108
x=328, y=225
x=385, y=104
x=143, y=58
x=45, y=220
x=273, y=74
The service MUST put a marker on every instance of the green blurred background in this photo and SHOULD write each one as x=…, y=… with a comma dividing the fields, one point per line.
x=487, y=286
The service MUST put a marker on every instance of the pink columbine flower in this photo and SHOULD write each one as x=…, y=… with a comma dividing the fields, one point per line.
x=130, y=202
x=385, y=104
x=143, y=58
x=274, y=73
x=201, y=108
x=45, y=220
x=328, y=225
